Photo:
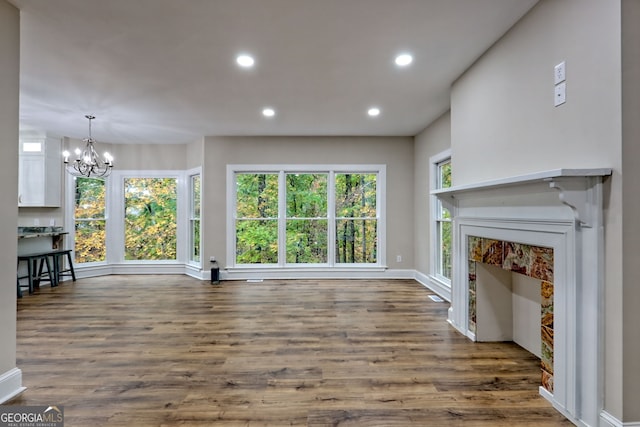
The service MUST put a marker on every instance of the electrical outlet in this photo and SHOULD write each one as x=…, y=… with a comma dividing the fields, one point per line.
x=560, y=94
x=212, y=258
x=399, y=258
x=52, y=222
x=36, y=222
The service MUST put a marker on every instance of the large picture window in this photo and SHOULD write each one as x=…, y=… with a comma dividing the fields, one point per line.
x=90, y=220
x=306, y=216
x=150, y=218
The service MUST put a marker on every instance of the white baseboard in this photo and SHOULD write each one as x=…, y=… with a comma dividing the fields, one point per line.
x=310, y=273
x=608, y=420
x=196, y=272
x=436, y=286
x=11, y=385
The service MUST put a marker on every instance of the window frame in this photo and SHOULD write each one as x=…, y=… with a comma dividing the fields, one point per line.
x=435, y=218
x=191, y=174
x=331, y=171
x=116, y=230
x=287, y=218
x=70, y=223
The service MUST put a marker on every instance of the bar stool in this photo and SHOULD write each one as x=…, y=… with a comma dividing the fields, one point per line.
x=58, y=264
x=35, y=273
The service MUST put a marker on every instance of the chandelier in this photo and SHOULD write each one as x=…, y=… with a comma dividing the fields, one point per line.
x=87, y=162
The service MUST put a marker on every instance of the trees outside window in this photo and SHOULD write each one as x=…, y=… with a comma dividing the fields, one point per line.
x=442, y=221
x=90, y=220
x=256, y=218
x=305, y=216
x=356, y=219
x=150, y=215
x=307, y=224
x=194, y=218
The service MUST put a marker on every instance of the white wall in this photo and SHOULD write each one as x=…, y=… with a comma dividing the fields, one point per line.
x=9, y=84
x=433, y=140
x=504, y=124
x=395, y=152
x=147, y=156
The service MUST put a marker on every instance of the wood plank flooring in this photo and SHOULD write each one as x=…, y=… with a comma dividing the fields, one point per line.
x=174, y=351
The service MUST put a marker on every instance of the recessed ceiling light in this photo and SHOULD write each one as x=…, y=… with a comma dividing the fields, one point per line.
x=245, y=61
x=268, y=112
x=404, y=59
x=373, y=111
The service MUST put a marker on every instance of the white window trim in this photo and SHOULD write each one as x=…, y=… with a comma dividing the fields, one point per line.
x=380, y=170
x=69, y=219
x=188, y=175
x=434, y=244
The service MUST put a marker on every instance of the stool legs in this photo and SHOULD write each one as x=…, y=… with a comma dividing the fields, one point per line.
x=59, y=268
x=73, y=273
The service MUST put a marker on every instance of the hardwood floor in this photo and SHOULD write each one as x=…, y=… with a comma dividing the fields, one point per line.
x=175, y=351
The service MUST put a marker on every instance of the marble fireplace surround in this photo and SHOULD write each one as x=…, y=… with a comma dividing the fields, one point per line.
x=559, y=209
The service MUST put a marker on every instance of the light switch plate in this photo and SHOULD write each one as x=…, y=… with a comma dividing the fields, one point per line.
x=560, y=73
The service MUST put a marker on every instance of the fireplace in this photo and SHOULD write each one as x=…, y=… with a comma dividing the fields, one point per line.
x=495, y=295
x=547, y=226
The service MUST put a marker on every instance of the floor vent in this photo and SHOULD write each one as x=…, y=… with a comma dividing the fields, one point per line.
x=254, y=280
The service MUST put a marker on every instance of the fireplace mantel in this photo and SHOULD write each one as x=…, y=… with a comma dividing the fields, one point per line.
x=532, y=178
x=561, y=209
x=572, y=187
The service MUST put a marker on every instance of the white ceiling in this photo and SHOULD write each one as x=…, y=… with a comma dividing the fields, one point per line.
x=164, y=71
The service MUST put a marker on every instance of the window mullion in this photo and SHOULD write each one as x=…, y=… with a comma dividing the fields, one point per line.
x=331, y=219
x=282, y=219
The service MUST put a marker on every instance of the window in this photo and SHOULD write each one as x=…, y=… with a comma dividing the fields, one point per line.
x=307, y=224
x=150, y=218
x=256, y=223
x=90, y=220
x=305, y=216
x=356, y=219
x=194, y=219
x=441, y=219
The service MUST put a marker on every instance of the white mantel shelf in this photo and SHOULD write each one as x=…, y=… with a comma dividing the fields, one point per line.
x=532, y=178
x=572, y=186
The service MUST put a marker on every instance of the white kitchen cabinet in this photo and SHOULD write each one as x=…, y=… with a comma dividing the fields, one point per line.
x=40, y=167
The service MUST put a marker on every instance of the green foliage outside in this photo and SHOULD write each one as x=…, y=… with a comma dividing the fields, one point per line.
x=356, y=224
x=307, y=225
x=257, y=218
x=89, y=214
x=445, y=226
x=195, y=218
x=150, y=218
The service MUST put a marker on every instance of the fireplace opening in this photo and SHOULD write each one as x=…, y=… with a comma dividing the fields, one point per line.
x=511, y=297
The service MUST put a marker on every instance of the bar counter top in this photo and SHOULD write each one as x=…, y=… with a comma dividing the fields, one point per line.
x=30, y=232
